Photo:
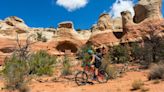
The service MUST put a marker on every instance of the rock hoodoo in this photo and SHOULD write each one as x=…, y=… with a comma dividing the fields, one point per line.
x=117, y=24
x=126, y=18
x=104, y=23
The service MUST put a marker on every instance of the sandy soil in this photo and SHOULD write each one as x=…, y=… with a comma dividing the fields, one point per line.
x=118, y=85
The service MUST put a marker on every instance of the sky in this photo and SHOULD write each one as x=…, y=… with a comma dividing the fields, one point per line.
x=47, y=13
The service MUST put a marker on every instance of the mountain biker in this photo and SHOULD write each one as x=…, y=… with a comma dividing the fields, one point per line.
x=95, y=62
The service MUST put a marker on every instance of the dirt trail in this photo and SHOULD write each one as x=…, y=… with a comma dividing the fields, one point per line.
x=118, y=85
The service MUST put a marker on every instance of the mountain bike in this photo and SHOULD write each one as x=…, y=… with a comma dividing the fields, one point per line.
x=87, y=74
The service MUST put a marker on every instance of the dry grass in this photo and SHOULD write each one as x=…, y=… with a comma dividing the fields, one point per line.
x=137, y=84
x=143, y=89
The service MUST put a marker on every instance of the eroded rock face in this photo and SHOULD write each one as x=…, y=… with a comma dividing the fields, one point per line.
x=147, y=17
x=85, y=34
x=13, y=25
x=103, y=38
x=137, y=32
x=68, y=39
x=103, y=23
x=147, y=9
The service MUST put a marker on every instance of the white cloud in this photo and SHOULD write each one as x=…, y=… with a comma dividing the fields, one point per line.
x=121, y=5
x=72, y=5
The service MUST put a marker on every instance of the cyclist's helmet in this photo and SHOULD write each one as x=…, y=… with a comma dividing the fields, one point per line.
x=90, y=52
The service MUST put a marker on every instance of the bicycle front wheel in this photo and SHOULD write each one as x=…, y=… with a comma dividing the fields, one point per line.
x=102, y=77
x=81, y=78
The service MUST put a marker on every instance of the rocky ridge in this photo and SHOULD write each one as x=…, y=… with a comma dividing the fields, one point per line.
x=107, y=31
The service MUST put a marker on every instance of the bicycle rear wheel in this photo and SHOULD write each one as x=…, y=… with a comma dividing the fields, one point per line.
x=102, y=77
x=81, y=78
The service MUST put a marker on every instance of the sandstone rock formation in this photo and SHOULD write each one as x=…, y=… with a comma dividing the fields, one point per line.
x=104, y=23
x=126, y=19
x=135, y=32
x=6, y=48
x=103, y=38
x=66, y=38
x=85, y=34
x=147, y=9
x=107, y=31
x=13, y=25
x=117, y=24
x=65, y=24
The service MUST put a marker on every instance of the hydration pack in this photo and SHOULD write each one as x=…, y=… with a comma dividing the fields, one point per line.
x=98, y=58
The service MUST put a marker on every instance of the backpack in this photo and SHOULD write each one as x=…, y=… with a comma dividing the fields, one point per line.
x=98, y=58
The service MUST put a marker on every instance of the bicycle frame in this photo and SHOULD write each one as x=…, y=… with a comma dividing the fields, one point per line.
x=89, y=69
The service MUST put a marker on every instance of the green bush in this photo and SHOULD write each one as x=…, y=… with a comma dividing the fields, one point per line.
x=136, y=51
x=78, y=29
x=15, y=73
x=42, y=63
x=119, y=54
x=156, y=72
x=40, y=37
x=66, y=70
x=153, y=49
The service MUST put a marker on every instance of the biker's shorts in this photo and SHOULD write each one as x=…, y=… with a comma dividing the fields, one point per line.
x=97, y=64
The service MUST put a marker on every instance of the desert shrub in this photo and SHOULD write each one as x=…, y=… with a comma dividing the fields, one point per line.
x=136, y=51
x=111, y=71
x=40, y=37
x=42, y=63
x=78, y=29
x=15, y=73
x=153, y=48
x=137, y=84
x=156, y=72
x=105, y=61
x=66, y=70
x=119, y=54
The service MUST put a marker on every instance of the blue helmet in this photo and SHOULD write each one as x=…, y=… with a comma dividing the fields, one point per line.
x=90, y=52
